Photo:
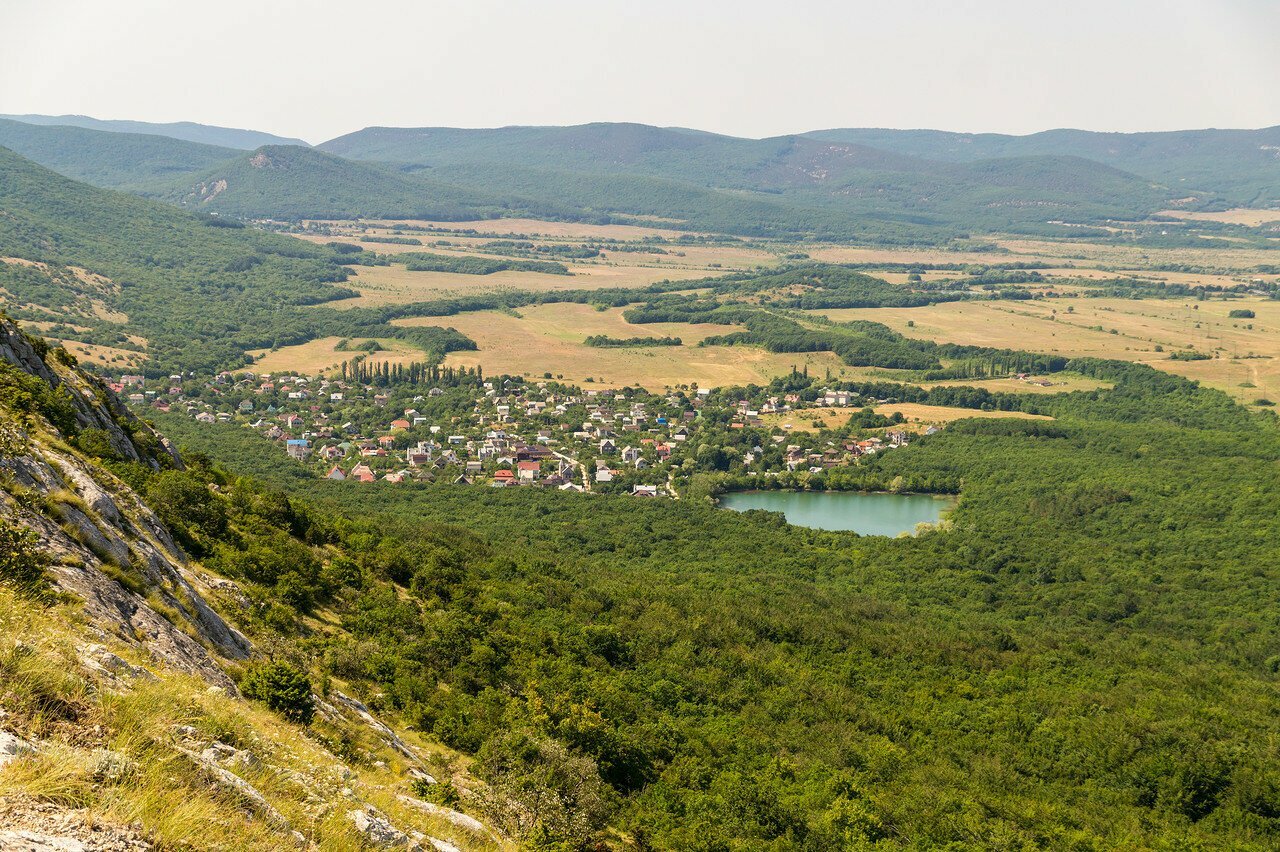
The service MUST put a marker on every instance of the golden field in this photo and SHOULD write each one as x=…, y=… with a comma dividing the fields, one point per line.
x=319, y=356
x=1245, y=351
x=918, y=416
x=549, y=339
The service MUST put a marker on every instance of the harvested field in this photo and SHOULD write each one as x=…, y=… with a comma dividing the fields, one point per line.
x=548, y=339
x=319, y=356
x=918, y=416
x=396, y=285
x=1244, y=351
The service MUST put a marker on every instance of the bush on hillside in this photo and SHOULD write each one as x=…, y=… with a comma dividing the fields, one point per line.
x=21, y=562
x=283, y=688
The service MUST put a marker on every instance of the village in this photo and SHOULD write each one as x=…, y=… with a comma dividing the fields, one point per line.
x=511, y=432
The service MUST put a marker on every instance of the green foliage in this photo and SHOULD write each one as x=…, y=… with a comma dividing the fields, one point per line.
x=24, y=395
x=283, y=688
x=418, y=261
x=293, y=182
x=114, y=160
x=607, y=342
x=1241, y=313
x=737, y=683
x=545, y=794
x=185, y=504
x=22, y=563
x=200, y=294
x=97, y=443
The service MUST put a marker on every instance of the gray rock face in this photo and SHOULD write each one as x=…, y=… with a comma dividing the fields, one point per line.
x=442, y=845
x=378, y=830
x=457, y=818
x=247, y=792
x=87, y=548
x=13, y=747
x=388, y=736
x=95, y=407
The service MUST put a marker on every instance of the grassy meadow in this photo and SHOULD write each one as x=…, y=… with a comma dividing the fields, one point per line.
x=549, y=339
x=1245, y=353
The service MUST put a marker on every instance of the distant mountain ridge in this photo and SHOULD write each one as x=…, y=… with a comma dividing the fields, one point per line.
x=109, y=160
x=1242, y=165
x=188, y=131
x=886, y=186
x=293, y=182
x=843, y=178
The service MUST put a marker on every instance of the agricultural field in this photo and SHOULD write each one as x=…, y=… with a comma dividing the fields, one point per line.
x=320, y=356
x=1128, y=256
x=1065, y=382
x=1245, y=353
x=640, y=265
x=1237, y=216
x=918, y=416
x=89, y=353
x=711, y=257
x=396, y=285
x=549, y=339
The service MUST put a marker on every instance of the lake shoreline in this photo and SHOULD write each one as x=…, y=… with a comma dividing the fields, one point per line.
x=883, y=513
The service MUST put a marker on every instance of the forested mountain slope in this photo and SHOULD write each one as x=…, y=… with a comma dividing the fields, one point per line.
x=133, y=713
x=206, y=134
x=1241, y=165
x=795, y=169
x=290, y=182
x=114, y=160
x=195, y=290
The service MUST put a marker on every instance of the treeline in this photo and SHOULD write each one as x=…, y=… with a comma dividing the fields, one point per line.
x=604, y=341
x=468, y=265
x=857, y=344
x=384, y=374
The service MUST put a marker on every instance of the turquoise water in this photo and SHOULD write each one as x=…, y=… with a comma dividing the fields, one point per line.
x=861, y=512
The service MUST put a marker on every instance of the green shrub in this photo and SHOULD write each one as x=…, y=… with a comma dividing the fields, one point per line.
x=283, y=688
x=21, y=562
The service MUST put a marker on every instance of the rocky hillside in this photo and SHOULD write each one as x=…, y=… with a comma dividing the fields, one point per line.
x=123, y=717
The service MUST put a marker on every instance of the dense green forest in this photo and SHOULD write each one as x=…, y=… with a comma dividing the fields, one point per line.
x=112, y=160
x=1238, y=164
x=200, y=290
x=1084, y=656
x=292, y=182
x=420, y=261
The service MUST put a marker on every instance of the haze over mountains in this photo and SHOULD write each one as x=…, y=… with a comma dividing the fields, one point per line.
x=188, y=131
x=879, y=185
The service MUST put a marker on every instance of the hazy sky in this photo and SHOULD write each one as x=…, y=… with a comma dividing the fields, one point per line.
x=318, y=69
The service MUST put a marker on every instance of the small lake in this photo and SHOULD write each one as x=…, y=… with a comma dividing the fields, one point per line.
x=858, y=511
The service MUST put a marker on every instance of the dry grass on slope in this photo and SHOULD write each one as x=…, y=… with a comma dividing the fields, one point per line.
x=115, y=744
